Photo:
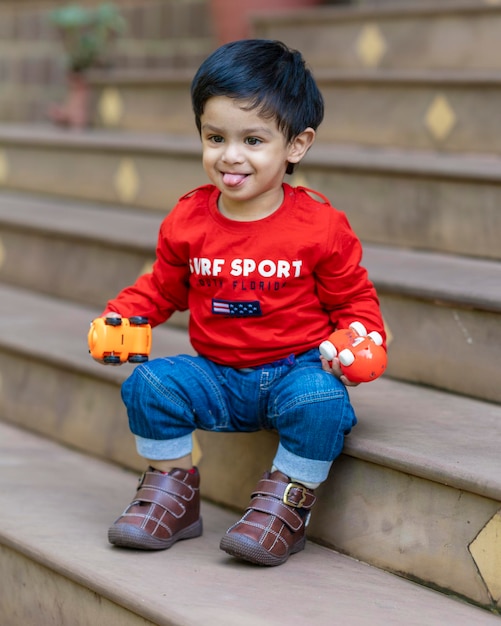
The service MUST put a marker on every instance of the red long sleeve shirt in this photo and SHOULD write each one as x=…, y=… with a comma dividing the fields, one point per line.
x=257, y=291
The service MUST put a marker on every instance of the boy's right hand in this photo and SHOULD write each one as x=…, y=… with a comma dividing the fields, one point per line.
x=334, y=368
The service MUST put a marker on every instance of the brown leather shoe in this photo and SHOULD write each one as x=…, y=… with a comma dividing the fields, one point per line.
x=273, y=526
x=166, y=509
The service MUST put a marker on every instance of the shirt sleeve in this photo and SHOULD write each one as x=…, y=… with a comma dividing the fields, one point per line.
x=157, y=294
x=343, y=284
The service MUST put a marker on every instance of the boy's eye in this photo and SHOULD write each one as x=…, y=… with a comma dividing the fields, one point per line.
x=216, y=139
x=253, y=141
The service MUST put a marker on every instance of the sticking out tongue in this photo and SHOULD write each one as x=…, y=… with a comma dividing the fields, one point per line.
x=232, y=180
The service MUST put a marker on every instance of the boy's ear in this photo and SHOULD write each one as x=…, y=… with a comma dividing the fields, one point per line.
x=300, y=145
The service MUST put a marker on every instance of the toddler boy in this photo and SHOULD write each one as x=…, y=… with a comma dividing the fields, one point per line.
x=267, y=272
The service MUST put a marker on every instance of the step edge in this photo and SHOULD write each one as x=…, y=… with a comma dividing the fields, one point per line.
x=362, y=12
x=411, y=163
x=364, y=450
x=370, y=444
x=443, y=78
x=426, y=276
x=15, y=210
x=45, y=135
x=324, y=76
x=343, y=157
x=133, y=76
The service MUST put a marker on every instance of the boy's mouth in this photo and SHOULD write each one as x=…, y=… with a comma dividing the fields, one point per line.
x=233, y=180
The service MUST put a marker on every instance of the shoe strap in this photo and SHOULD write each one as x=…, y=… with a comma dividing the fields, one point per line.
x=275, y=507
x=168, y=484
x=166, y=491
x=291, y=494
x=175, y=507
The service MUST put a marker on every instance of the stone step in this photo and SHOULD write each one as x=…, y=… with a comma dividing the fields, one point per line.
x=417, y=490
x=418, y=199
x=443, y=314
x=78, y=251
x=133, y=169
x=441, y=311
x=374, y=3
x=54, y=540
x=156, y=100
x=414, y=199
x=418, y=35
x=445, y=111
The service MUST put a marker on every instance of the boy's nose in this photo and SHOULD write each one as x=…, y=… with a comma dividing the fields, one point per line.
x=232, y=153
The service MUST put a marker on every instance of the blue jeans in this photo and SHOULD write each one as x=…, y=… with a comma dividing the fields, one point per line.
x=168, y=398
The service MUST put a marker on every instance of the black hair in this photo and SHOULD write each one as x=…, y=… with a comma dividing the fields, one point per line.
x=269, y=75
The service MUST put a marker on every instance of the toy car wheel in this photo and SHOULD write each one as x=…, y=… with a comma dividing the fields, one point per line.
x=112, y=360
x=376, y=337
x=113, y=321
x=346, y=357
x=359, y=328
x=138, y=320
x=327, y=350
x=138, y=358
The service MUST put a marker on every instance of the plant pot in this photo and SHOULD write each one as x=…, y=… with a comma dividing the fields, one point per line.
x=232, y=18
x=74, y=112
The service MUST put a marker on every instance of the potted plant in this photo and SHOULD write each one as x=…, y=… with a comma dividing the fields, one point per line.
x=87, y=34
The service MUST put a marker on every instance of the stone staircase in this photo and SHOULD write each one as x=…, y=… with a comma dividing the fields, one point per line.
x=409, y=150
x=161, y=33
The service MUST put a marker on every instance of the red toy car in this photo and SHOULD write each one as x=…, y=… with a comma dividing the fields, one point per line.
x=361, y=355
x=115, y=340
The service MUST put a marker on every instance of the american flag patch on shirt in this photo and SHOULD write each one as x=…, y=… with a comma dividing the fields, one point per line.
x=248, y=308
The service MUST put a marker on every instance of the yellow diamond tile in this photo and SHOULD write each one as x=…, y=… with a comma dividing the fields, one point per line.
x=440, y=118
x=371, y=45
x=110, y=106
x=4, y=167
x=486, y=552
x=127, y=180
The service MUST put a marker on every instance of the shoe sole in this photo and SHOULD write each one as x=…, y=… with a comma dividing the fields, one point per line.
x=246, y=549
x=129, y=536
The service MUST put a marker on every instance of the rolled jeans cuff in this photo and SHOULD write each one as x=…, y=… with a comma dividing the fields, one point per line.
x=164, y=450
x=301, y=469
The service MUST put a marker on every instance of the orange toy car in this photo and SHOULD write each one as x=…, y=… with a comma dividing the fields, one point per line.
x=361, y=355
x=115, y=340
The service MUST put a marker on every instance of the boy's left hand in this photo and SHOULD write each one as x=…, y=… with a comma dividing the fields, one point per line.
x=334, y=368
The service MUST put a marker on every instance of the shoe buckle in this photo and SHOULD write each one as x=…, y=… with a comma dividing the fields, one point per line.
x=301, y=488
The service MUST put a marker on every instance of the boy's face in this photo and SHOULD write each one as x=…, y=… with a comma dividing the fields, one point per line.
x=245, y=156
